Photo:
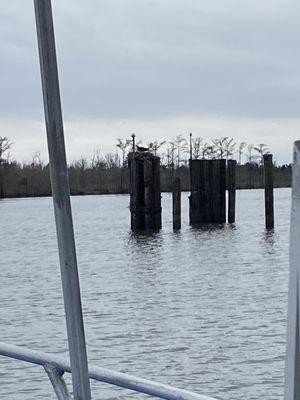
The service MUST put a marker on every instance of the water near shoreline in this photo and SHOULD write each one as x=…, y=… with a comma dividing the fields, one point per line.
x=202, y=309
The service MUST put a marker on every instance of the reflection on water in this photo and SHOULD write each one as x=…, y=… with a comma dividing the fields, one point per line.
x=203, y=308
x=270, y=239
x=145, y=238
x=207, y=227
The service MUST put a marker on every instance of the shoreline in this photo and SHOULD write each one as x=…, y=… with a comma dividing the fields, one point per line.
x=112, y=193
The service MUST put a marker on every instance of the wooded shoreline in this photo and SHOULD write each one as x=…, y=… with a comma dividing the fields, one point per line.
x=34, y=180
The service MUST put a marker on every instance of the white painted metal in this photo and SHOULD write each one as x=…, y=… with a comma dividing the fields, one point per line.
x=57, y=380
x=61, y=200
x=292, y=369
x=103, y=375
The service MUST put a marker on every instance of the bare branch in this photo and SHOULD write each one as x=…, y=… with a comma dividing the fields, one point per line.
x=5, y=145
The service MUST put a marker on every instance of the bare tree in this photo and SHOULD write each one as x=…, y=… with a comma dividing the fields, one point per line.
x=197, y=145
x=223, y=147
x=171, y=154
x=181, y=146
x=155, y=146
x=8, y=157
x=81, y=164
x=241, y=147
x=97, y=160
x=261, y=149
x=209, y=152
x=250, y=149
x=201, y=149
x=112, y=160
x=229, y=148
x=36, y=160
x=123, y=146
x=5, y=145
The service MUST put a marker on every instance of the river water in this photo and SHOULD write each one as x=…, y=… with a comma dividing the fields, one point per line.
x=203, y=309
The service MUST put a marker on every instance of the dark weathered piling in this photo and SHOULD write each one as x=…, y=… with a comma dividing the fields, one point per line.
x=145, y=191
x=231, y=174
x=156, y=212
x=208, y=195
x=1, y=181
x=176, y=197
x=269, y=195
x=137, y=198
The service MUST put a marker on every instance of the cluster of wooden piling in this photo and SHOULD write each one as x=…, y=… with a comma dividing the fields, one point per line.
x=145, y=193
x=208, y=191
x=209, y=180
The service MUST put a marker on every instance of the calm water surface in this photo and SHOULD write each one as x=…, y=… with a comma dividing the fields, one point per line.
x=202, y=309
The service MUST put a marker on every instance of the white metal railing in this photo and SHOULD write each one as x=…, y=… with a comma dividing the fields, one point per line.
x=56, y=367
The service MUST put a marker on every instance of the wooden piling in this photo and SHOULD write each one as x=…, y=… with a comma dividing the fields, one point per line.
x=137, y=199
x=157, y=193
x=176, y=197
x=231, y=174
x=208, y=195
x=145, y=191
x=269, y=191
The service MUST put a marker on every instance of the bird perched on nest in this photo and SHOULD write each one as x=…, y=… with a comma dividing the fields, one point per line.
x=142, y=149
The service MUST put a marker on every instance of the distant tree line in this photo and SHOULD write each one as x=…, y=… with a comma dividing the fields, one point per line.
x=108, y=173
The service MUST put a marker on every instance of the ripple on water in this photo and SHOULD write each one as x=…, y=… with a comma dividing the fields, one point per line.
x=203, y=309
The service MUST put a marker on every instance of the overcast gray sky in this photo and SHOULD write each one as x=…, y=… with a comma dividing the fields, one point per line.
x=158, y=68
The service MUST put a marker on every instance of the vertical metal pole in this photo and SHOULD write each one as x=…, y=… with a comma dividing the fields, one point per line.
x=191, y=146
x=61, y=200
x=133, y=142
x=292, y=365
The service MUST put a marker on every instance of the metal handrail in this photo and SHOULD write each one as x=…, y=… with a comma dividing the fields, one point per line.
x=61, y=365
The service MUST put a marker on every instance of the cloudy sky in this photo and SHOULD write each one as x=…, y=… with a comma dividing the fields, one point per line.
x=158, y=68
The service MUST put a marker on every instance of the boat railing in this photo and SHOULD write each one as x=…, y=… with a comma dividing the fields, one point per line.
x=55, y=367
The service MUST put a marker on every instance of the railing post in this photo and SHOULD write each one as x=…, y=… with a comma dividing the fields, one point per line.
x=61, y=200
x=292, y=368
x=57, y=381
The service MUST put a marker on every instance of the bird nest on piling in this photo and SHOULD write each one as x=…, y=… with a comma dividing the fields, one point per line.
x=142, y=155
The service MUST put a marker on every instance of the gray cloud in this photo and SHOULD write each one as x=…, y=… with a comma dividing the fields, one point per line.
x=153, y=59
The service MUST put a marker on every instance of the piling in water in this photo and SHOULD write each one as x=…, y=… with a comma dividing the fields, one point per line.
x=208, y=196
x=269, y=195
x=231, y=174
x=145, y=191
x=176, y=197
